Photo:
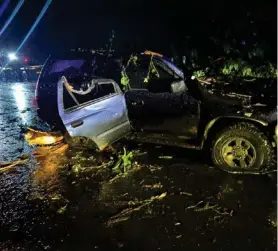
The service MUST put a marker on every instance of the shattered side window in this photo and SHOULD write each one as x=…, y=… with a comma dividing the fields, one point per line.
x=100, y=91
x=68, y=101
x=137, y=73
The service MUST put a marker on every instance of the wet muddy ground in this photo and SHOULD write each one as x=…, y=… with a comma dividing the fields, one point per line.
x=69, y=197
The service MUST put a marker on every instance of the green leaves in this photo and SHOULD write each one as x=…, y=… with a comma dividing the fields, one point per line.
x=146, y=80
x=152, y=72
x=134, y=60
x=125, y=81
x=124, y=163
x=247, y=71
x=124, y=77
x=240, y=68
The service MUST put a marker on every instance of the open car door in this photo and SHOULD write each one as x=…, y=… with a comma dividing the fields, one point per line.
x=99, y=113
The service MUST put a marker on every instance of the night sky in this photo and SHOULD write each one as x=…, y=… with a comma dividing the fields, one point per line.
x=138, y=24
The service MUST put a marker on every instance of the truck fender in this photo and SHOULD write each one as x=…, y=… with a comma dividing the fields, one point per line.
x=214, y=121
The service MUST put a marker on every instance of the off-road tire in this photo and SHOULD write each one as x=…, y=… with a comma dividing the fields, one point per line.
x=262, y=146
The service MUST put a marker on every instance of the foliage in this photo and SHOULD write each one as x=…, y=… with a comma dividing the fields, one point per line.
x=124, y=77
x=245, y=41
x=133, y=60
x=239, y=68
x=152, y=70
x=125, y=81
x=61, y=210
x=124, y=162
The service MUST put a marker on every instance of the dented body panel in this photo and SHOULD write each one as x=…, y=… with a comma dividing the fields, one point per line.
x=103, y=120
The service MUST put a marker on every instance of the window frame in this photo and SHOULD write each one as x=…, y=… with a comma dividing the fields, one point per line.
x=80, y=106
x=164, y=66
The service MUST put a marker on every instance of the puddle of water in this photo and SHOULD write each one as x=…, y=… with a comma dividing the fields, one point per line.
x=49, y=160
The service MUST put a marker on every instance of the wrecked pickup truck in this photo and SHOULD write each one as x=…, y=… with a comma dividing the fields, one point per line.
x=83, y=95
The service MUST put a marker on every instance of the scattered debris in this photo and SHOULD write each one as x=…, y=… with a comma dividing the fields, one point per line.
x=114, y=221
x=125, y=214
x=34, y=137
x=122, y=175
x=9, y=167
x=62, y=209
x=56, y=197
x=8, y=170
x=206, y=206
x=190, y=207
x=165, y=157
x=124, y=163
x=154, y=186
x=272, y=220
x=248, y=114
x=186, y=193
x=35, y=196
x=137, y=153
x=77, y=168
x=154, y=168
x=45, y=150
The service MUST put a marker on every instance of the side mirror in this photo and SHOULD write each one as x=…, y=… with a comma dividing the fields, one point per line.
x=179, y=86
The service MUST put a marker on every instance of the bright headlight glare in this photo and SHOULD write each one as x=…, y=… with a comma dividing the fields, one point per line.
x=12, y=56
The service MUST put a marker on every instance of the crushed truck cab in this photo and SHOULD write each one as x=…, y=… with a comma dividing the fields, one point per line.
x=158, y=105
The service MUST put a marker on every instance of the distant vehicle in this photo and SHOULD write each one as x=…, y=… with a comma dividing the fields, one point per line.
x=167, y=109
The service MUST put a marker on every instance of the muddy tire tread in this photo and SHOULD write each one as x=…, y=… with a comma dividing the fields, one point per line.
x=251, y=128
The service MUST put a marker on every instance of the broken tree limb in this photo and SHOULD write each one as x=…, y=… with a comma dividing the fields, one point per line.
x=6, y=167
x=190, y=207
x=7, y=170
x=46, y=150
x=34, y=137
x=12, y=163
x=134, y=206
x=214, y=208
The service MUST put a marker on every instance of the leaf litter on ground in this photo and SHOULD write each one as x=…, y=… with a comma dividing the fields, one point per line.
x=165, y=157
x=202, y=206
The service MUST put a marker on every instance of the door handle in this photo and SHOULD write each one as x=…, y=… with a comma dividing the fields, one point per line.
x=77, y=123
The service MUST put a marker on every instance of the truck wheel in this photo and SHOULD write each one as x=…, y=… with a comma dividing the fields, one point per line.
x=242, y=148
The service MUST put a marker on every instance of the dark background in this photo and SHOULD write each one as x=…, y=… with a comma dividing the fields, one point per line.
x=170, y=27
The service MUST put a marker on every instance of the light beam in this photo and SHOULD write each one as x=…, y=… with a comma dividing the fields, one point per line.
x=44, y=9
x=16, y=9
x=4, y=6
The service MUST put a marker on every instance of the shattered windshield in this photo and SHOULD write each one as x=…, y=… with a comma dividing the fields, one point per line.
x=174, y=68
x=168, y=67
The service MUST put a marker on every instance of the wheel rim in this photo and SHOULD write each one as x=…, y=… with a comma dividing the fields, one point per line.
x=238, y=153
